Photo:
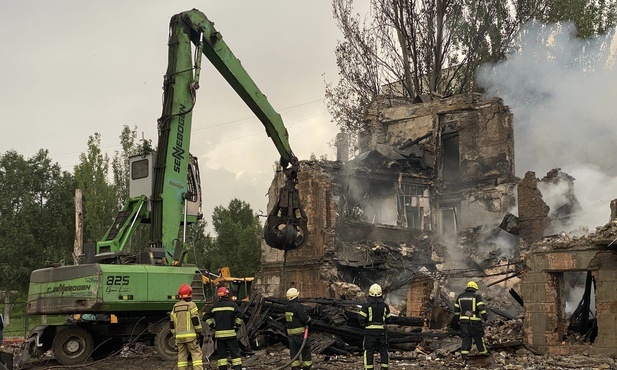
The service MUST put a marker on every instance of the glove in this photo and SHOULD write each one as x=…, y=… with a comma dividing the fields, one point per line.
x=237, y=327
x=211, y=325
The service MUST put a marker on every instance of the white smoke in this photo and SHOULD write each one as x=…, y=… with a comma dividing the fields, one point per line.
x=561, y=92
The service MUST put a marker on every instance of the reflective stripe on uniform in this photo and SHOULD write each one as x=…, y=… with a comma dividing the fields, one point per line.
x=186, y=335
x=219, y=309
x=224, y=333
x=295, y=331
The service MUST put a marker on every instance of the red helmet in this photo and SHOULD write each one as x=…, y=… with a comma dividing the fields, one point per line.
x=222, y=292
x=185, y=291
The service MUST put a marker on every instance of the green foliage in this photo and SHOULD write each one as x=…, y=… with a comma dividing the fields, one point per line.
x=99, y=195
x=200, y=244
x=238, y=241
x=36, y=216
x=121, y=175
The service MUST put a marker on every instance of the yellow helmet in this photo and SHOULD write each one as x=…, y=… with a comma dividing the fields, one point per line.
x=292, y=293
x=374, y=290
x=472, y=284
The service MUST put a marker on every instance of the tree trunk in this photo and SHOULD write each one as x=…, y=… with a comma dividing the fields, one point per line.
x=438, y=53
x=78, y=245
x=7, y=307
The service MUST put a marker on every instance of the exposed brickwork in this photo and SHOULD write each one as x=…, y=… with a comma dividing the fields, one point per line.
x=304, y=265
x=418, y=295
x=543, y=290
x=532, y=210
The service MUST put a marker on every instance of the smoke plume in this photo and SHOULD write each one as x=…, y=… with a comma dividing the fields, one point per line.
x=560, y=90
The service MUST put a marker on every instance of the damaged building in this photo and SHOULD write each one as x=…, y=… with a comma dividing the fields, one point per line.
x=426, y=171
x=569, y=281
x=423, y=202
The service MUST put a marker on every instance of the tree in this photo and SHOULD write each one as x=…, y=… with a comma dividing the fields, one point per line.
x=100, y=203
x=414, y=47
x=36, y=216
x=54, y=221
x=201, y=244
x=238, y=242
x=121, y=175
x=120, y=163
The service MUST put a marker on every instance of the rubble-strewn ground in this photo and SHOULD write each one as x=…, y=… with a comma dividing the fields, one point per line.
x=276, y=356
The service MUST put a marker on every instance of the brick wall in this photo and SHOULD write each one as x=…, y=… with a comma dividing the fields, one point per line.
x=532, y=211
x=543, y=292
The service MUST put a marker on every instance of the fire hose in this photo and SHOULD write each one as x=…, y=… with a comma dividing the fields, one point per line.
x=299, y=351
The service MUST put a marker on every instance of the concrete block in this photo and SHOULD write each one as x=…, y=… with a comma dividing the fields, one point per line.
x=606, y=276
x=537, y=293
x=535, y=277
x=606, y=340
x=604, y=351
x=607, y=323
x=606, y=307
x=606, y=293
x=561, y=350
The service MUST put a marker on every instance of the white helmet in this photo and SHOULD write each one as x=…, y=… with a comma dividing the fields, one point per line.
x=292, y=293
x=375, y=290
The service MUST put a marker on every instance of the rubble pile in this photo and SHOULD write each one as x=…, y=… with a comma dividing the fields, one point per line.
x=503, y=333
x=336, y=330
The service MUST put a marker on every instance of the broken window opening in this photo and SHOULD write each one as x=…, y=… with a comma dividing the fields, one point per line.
x=449, y=221
x=415, y=201
x=576, y=306
x=450, y=163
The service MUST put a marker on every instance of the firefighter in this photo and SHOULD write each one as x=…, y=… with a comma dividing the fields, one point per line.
x=373, y=315
x=225, y=318
x=297, y=320
x=186, y=327
x=471, y=312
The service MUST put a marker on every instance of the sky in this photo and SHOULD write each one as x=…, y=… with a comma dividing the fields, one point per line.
x=75, y=67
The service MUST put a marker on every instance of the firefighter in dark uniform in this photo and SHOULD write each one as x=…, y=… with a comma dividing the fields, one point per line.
x=471, y=312
x=225, y=318
x=373, y=315
x=296, y=321
x=186, y=327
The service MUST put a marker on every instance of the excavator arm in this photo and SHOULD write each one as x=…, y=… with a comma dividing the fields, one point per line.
x=218, y=53
x=286, y=225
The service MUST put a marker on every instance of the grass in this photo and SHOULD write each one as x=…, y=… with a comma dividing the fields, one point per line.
x=21, y=324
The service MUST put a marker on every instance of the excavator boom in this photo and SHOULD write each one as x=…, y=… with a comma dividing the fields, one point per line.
x=222, y=58
x=286, y=225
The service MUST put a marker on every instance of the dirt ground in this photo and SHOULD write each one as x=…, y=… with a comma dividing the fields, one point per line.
x=276, y=356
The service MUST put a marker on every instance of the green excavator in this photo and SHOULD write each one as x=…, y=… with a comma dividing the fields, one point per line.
x=113, y=296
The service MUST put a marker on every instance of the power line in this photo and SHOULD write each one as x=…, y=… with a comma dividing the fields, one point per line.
x=287, y=109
